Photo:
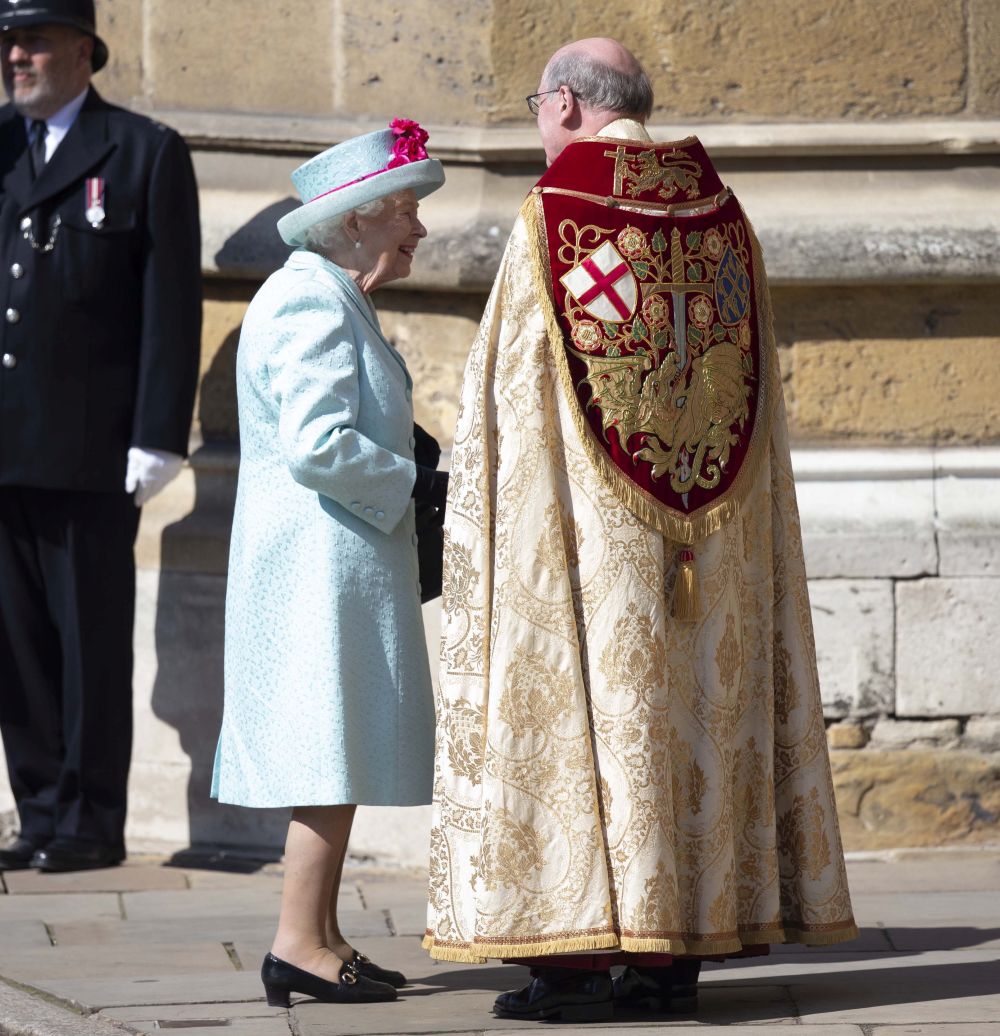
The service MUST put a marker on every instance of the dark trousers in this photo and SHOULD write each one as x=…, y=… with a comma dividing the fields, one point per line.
x=67, y=607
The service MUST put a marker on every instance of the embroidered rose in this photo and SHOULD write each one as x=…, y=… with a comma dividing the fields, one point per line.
x=587, y=335
x=409, y=143
x=713, y=243
x=743, y=335
x=700, y=311
x=655, y=311
x=632, y=242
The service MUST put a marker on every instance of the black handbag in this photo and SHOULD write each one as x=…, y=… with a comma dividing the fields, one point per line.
x=429, y=522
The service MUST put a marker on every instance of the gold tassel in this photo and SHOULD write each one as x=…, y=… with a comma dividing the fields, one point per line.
x=687, y=605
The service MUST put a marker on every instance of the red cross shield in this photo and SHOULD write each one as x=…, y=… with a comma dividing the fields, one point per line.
x=603, y=284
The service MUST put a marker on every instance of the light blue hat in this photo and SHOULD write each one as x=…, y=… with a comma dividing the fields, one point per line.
x=360, y=170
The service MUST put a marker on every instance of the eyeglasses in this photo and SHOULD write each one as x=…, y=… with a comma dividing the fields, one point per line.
x=534, y=103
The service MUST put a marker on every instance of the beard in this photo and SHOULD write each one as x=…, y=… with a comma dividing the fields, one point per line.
x=40, y=97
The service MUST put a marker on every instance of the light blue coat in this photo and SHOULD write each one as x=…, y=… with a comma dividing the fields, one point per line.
x=327, y=686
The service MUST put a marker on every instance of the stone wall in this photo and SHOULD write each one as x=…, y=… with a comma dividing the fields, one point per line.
x=862, y=137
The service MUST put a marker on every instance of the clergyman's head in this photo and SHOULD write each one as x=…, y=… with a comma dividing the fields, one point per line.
x=586, y=85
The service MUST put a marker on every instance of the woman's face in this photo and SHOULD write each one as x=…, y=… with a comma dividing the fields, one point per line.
x=389, y=240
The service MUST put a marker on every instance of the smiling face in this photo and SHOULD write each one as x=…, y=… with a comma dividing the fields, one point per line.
x=389, y=240
x=44, y=67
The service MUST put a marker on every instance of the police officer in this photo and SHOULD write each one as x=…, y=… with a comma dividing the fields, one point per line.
x=100, y=321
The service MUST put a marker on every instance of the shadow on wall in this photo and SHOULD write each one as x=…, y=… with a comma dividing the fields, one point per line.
x=256, y=246
x=188, y=689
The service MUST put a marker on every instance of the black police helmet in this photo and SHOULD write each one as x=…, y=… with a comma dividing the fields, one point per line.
x=17, y=14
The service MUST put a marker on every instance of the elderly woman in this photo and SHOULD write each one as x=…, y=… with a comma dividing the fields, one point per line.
x=328, y=700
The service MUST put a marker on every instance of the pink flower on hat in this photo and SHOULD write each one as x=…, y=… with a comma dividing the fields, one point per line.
x=409, y=143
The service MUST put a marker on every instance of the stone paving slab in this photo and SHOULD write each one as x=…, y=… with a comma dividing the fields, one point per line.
x=936, y=872
x=27, y=935
x=953, y=1029
x=166, y=931
x=35, y=967
x=52, y=909
x=432, y=1012
x=902, y=908
x=138, y=988
x=150, y=906
x=127, y=878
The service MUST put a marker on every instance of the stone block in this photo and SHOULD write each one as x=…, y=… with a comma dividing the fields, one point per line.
x=178, y=713
x=868, y=528
x=434, y=334
x=947, y=649
x=968, y=520
x=215, y=408
x=757, y=59
x=846, y=735
x=902, y=390
x=915, y=733
x=426, y=61
x=908, y=798
x=200, y=56
x=121, y=28
x=984, y=57
x=853, y=622
x=983, y=732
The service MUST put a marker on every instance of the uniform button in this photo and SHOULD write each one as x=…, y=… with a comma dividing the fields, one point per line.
x=26, y=223
x=355, y=505
x=17, y=271
x=379, y=515
x=9, y=361
x=413, y=442
x=414, y=540
x=12, y=315
x=369, y=510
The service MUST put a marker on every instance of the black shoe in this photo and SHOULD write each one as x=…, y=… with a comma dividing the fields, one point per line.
x=672, y=990
x=368, y=969
x=72, y=854
x=19, y=854
x=280, y=979
x=566, y=994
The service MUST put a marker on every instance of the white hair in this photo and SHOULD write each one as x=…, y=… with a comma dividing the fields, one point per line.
x=328, y=237
x=599, y=85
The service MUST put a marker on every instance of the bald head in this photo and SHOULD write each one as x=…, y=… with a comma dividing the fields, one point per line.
x=603, y=76
x=586, y=85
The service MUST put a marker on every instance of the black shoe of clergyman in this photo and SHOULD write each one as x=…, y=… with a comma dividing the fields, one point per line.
x=369, y=969
x=281, y=979
x=18, y=855
x=565, y=994
x=71, y=854
x=671, y=990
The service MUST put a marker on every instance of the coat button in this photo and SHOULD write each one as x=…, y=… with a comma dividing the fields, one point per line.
x=26, y=223
x=369, y=510
x=414, y=540
x=9, y=361
x=413, y=442
x=17, y=271
x=379, y=515
x=409, y=394
x=12, y=315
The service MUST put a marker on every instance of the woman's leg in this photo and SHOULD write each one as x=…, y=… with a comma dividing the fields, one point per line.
x=335, y=940
x=314, y=855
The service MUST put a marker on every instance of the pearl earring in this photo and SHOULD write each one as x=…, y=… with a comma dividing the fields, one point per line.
x=357, y=244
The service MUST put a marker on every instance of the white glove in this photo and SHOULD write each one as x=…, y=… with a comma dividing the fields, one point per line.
x=149, y=471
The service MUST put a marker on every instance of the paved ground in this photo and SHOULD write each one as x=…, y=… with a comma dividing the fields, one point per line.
x=149, y=946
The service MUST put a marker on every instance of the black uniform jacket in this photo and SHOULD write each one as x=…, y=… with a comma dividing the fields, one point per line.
x=99, y=336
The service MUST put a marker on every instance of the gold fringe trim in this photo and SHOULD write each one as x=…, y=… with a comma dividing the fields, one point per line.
x=812, y=937
x=480, y=953
x=683, y=529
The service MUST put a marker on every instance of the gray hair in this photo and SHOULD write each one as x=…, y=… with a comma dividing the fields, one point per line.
x=328, y=237
x=599, y=85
